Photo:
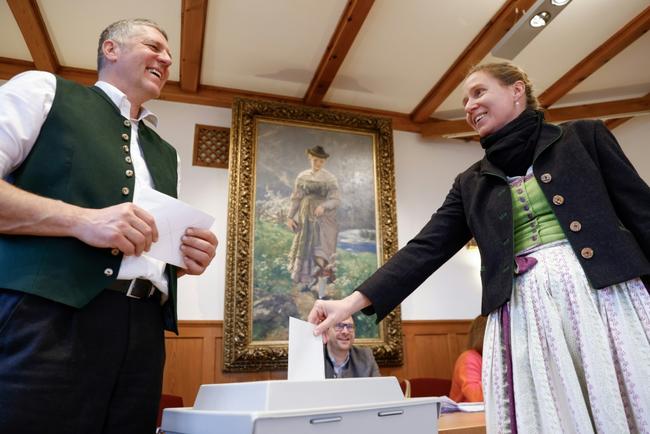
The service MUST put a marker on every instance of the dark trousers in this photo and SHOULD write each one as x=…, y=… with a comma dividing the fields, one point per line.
x=80, y=371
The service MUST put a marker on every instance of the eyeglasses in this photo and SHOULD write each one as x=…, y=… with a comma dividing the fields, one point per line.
x=344, y=325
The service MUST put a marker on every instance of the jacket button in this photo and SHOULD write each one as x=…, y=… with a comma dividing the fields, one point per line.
x=125, y=191
x=587, y=252
x=575, y=226
x=108, y=272
x=125, y=137
x=546, y=178
x=126, y=148
x=115, y=252
x=127, y=123
x=558, y=199
x=127, y=159
x=129, y=173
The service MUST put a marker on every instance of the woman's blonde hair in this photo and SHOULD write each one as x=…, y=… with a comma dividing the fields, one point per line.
x=508, y=74
x=476, y=333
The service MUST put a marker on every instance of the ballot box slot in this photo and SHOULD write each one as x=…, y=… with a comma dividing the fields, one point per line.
x=387, y=413
x=329, y=419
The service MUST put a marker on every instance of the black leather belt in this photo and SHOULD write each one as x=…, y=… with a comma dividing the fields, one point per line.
x=136, y=288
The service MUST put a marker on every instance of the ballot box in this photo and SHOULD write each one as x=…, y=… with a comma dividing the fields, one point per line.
x=330, y=406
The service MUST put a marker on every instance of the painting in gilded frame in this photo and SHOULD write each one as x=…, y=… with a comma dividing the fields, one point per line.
x=311, y=215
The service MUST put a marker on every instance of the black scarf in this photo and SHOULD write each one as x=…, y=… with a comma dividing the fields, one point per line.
x=513, y=146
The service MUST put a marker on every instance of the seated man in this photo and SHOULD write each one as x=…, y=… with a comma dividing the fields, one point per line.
x=342, y=359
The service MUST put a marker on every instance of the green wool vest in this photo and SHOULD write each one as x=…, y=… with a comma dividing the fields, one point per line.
x=81, y=157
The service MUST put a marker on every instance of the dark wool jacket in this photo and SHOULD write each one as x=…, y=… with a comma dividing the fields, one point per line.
x=361, y=364
x=600, y=201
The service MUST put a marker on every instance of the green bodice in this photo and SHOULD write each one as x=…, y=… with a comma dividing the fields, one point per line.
x=534, y=221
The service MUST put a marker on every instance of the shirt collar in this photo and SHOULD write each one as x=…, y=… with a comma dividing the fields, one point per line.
x=124, y=105
x=333, y=360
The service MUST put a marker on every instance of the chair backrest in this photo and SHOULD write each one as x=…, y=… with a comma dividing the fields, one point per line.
x=427, y=386
x=405, y=385
x=168, y=401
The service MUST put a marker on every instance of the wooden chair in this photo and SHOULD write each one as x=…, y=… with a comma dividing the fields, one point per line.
x=405, y=385
x=168, y=401
x=427, y=386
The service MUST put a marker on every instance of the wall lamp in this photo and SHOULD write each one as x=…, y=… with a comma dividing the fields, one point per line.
x=527, y=27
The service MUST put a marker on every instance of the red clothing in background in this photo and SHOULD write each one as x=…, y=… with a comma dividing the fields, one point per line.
x=466, y=380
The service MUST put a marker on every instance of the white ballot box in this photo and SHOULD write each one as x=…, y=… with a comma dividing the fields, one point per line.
x=333, y=406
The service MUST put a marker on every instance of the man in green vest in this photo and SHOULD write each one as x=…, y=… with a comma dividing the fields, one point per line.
x=82, y=306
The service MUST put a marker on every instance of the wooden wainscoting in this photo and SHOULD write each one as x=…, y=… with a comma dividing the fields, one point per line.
x=194, y=357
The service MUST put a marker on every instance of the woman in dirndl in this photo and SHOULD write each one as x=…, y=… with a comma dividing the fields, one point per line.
x=562, y=222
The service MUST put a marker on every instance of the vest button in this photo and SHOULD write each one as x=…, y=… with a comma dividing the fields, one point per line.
x=558, y=199
x=127, y=123
x=108, y=272
x=587, y=253
x=129, y=173
x=125, y=137
x=575, y=226
x=126, y=148
x=115, y=252
x=127, y=159
x=125, y=191
x=546, y=178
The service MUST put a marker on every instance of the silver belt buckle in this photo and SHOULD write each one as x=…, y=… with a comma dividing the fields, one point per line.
x=130, y=293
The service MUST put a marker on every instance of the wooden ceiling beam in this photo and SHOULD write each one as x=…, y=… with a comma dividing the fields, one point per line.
x=87, y=77
x=616, y=122
x=599, y=110
x=11, y=67
x=601, y=55
x=193, y=17
x=400, y=121
x=555, y=115
x=481, y=45
x=346, y=31
x=223, y=97
x=31, y=24
x=444, y=128
x=206, y=95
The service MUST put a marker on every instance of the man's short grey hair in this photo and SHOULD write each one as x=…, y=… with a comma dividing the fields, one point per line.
x=120, y=32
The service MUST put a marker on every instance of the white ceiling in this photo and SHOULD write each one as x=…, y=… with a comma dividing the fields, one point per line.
x=403, y=48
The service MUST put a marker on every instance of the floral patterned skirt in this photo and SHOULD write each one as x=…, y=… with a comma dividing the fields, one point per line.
x=562, y=357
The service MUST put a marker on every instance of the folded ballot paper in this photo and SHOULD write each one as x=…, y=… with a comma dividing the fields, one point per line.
x=172, y=217
x=306, y=359
x=451, y=406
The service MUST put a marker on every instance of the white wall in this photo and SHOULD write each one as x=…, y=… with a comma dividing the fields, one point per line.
x=200, y=297
x=634, y=137
x=424, y=171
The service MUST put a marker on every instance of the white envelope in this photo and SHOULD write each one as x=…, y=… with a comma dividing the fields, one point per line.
x=172, y=217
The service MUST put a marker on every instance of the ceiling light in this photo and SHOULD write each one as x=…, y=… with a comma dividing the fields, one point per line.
x=540, y=19
x=536, y=18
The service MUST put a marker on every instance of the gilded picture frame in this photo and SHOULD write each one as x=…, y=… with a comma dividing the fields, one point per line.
x=268, y=277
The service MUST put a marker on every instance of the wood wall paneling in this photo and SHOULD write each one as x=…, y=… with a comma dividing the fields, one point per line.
x=194, y=357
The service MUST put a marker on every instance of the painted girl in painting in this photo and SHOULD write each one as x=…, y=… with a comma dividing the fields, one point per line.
x=312, y=218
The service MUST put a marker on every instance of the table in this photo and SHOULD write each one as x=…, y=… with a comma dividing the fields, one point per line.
x=462, y=423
